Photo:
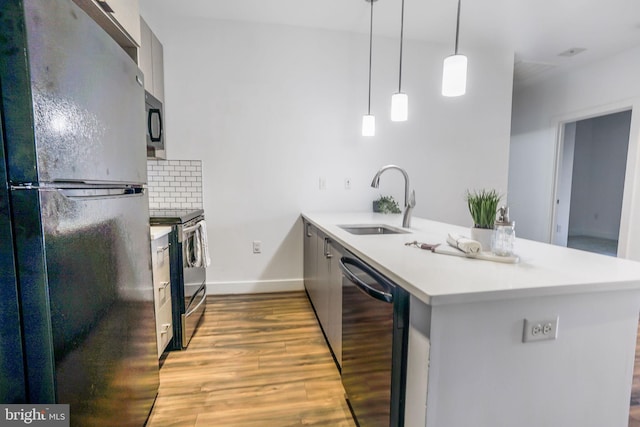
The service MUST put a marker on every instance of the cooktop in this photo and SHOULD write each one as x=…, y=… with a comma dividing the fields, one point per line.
x=173, y=216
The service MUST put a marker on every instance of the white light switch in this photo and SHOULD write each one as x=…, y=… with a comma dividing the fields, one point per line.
x=322, y=183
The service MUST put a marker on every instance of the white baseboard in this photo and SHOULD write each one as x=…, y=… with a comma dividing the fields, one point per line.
x=254, y=287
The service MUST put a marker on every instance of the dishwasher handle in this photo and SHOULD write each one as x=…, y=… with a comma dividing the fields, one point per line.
x=374, y=293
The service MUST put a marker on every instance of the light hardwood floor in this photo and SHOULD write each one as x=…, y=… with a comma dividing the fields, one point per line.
x=255, y=361
x=261, y=361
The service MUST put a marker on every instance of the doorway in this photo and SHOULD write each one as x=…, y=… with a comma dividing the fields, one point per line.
x=590, y=182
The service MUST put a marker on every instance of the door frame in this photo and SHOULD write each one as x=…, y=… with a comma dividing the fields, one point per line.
x=632, y=169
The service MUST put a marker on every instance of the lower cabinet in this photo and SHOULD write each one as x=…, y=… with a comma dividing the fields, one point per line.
x=323, y=283
x=161, y=285
x=334, y=284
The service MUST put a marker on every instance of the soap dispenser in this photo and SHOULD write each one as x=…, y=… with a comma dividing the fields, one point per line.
x=504, y=233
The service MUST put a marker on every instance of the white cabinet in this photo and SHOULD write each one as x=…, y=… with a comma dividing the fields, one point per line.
x=151, y=61
x=127, y=14
x=323, y=282
x=161, y=285
x=119, y=18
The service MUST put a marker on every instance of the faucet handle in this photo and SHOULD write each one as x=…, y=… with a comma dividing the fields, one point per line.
x=412, y=199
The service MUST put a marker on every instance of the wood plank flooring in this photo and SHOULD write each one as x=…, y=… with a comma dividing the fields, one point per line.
x=256, y=361
x=261, y=361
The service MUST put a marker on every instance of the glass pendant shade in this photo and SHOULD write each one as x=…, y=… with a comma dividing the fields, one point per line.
x=368, y=125
x=399, y=107
x=454, y=75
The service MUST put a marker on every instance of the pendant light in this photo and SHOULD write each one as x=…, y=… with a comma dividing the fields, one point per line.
x=399, y=100
x=454, y=70
x=369, y=120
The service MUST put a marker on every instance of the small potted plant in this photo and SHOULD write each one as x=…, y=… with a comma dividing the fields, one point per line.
x=483, y=206
x=386, y=205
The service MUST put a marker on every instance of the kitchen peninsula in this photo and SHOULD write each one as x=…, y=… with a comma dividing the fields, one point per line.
x=467, y=363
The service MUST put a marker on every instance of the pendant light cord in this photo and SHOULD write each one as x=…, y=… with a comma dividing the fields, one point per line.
x=401, y=38
x=370, y=55
x=457, y=27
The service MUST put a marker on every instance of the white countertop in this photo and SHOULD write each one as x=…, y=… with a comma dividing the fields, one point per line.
x=444, y=279
x=158, y=231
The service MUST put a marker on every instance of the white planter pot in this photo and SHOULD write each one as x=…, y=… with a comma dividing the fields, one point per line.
x=484, y=236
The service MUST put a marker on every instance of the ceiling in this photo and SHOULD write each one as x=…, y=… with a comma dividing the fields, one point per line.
x=537, y=30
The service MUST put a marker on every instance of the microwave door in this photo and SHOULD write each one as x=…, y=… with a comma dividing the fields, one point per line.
x=154, y=127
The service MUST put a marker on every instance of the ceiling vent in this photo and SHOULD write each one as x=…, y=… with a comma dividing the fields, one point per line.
x=572, y=52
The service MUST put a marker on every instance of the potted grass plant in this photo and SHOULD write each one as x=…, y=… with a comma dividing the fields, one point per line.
x=386, y=204
x=483, y=206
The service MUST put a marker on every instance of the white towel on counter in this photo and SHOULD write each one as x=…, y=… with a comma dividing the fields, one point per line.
x=205, y=243
x=466, y=245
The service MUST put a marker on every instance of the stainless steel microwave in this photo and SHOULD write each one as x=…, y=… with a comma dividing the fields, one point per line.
x=155, y=126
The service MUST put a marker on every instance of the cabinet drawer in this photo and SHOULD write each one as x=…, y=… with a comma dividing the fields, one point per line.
x=164, y=327
x=160, y=260
x=161, y=286
x=163, y=294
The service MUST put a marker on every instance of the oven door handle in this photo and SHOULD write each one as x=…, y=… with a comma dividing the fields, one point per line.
x=203, y=290
x=364, y=287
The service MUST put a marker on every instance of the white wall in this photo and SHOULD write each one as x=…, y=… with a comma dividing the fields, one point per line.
x=598, y=175
x=538, y=110
x=563, y=198
x=583, y=378
x=272, y=109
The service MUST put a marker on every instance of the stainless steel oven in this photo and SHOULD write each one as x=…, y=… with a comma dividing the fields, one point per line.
x=188, y=253
x=192, y=243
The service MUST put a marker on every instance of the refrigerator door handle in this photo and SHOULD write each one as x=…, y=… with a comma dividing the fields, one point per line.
x=100, y=193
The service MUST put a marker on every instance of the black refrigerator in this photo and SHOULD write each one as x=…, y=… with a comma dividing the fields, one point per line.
x=76, y=299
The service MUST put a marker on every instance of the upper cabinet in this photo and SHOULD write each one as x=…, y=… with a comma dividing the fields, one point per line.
x=119, y=18
x=151, y=61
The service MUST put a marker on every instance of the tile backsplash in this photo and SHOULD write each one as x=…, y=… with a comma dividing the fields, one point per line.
x=174, y=184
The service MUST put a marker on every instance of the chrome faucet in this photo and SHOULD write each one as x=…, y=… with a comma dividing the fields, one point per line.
x=409, y=199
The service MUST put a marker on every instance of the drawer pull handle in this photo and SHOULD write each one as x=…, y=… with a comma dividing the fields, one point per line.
x=165, y=328
x=164, y=285
x=327, y=253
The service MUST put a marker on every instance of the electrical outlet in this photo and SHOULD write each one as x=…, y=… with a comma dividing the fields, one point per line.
x=536, y=329
x=257, y=247
x=540, y=330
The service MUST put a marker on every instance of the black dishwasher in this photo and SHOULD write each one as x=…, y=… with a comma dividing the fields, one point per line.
x=375, y=319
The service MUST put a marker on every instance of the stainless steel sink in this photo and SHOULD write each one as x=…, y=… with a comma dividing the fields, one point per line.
x=367, y=229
